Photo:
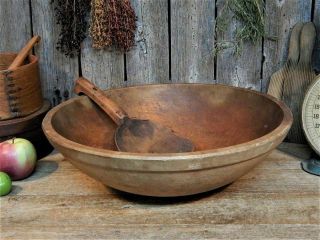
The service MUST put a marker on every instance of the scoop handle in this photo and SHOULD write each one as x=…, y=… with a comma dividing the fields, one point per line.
x=114, y=111
x=24, y=52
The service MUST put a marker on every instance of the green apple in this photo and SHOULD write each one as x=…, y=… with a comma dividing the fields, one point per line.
x=5, y=184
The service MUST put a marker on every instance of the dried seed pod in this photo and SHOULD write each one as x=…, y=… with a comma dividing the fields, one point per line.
x=101, y=37
x=71, y=16
x=113, y=22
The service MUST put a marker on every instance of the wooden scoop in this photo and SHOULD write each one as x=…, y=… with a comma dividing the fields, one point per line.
x=24, y=52
x=135, y=135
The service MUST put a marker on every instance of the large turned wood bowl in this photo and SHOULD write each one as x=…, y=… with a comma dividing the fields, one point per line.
x=233, y=129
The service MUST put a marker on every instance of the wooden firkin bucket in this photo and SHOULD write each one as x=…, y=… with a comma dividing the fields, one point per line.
x=20, y=89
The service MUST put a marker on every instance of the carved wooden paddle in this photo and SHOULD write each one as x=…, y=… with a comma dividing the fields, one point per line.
x=278, y=78
x=135, y=135
x=291, y=82
x=300, y=78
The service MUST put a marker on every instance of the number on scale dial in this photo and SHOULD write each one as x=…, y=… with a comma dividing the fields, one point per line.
x=311, y=115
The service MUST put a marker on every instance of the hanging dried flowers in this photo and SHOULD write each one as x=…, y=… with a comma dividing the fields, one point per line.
x=101, y=36
x=71, y=15
x=113, y=22
x=250, y=14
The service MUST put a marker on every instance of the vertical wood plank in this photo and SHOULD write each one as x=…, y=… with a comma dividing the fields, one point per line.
x=57, y=71
x=241, y=71
x=104, y=68
x=192, y=40
x=148, y=61
x=281, y=16
x=316, y=20
x=15, y=24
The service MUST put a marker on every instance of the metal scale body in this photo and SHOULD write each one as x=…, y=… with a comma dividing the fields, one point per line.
x=311, y=125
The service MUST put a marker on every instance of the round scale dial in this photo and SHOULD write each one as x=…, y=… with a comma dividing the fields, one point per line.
x=311, y=115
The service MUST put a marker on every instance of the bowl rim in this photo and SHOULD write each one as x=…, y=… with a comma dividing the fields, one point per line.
x=34, y=60
x=279, y=131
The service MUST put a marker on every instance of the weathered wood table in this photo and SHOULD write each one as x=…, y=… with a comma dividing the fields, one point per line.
x=275, y=200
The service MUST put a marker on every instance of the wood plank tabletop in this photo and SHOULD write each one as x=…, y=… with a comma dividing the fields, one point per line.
x=276, y=200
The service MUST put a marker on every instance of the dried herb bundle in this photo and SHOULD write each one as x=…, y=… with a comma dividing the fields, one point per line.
x=113, y=22
x=71, y=16
x=250, y=14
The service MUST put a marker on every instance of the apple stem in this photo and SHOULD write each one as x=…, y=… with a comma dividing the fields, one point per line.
x=13, y=140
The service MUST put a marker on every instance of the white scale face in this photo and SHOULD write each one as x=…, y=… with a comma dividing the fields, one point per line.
x=311, y=115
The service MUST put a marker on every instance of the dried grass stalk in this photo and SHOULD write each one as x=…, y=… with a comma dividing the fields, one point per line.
x=250, y=14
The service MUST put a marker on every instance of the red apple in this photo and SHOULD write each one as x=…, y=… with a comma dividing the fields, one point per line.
x=17, y=158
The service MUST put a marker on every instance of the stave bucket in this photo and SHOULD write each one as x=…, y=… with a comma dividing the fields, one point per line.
x=20, y=89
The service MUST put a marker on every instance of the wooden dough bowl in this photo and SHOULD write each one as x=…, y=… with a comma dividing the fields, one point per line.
x=233, y=129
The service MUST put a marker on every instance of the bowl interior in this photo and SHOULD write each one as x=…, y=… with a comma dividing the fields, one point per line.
x=211, y=116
